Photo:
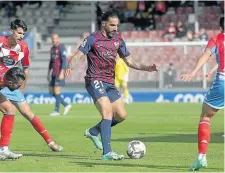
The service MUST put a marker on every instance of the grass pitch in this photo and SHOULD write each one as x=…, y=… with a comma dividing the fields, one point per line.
x=169, y=132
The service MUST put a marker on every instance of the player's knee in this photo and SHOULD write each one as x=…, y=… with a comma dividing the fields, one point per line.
x=7, y=108
x=28, y=114
x=208, y=114
x=123, y=116
x=107, y=114
x=120, y=117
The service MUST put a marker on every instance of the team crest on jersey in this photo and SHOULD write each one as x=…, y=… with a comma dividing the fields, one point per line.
x=116, y=44
x=8, y=61
x=84, y=42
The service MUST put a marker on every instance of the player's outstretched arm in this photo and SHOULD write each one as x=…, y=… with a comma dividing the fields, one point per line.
x=212, y=70
x=201, y=61
x=73, y=60
x=138, y=66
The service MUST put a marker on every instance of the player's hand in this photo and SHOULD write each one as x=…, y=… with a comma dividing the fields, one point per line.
x=152, y=68
x=68, y=72
x=61, y=76
x=48, y=77
x=208, y=75
x=187, y=77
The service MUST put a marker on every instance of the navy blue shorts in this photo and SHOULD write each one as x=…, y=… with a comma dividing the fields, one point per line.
x=55, y=82
x=98, y=89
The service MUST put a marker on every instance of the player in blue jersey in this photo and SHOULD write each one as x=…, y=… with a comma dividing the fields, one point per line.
x=56, y=79
x=101, y=48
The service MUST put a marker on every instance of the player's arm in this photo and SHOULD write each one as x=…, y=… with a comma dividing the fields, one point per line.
x=125, y=55
x=25, y=63
x=138, y=66
x=63, y=64
x=49, y=70
x=84, y=48
x=210, y=49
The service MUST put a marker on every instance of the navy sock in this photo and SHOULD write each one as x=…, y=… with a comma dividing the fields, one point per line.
x=95, y=130
x=63, y=101
x=105, y=128
x=114, y=122
x=57, y=103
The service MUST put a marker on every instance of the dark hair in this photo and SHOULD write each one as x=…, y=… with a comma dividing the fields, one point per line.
x=18, y=24
x=222, y=23
x=15, y=75
x=107, y=15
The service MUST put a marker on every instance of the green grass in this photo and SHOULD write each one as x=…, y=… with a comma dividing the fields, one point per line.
x=169, y=132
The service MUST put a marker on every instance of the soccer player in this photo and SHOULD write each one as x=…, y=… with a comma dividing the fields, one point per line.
x=121, y=77
x=12, y=50
x=101, y=48
x=214, y=99
x=56, y=79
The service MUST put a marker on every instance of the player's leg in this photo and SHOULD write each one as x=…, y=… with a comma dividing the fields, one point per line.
x=126, y=93
x=119, y=112
x=25, y=110
x=203, y=136
x=104, y=107
x=55, y=88
x=7, y=124
x=60, y=99
x=98, y=92
x=213, y=101
x=51, y=91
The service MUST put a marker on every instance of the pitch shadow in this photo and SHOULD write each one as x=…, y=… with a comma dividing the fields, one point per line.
x=114, y=163
x=176, y=138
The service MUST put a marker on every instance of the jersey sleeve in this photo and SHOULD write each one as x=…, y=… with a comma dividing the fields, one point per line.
x=87, y=44
x=211, y=46
x=26, y=61
x=123, y=51
x=63, y=55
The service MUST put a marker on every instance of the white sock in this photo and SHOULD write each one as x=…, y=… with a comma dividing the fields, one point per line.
x=4, y=148
x=201, y=155
x=51, y=143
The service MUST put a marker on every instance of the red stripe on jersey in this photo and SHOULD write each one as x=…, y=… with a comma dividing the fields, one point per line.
x=211, y=43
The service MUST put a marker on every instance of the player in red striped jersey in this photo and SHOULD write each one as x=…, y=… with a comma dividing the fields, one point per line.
x=13, y=50
x=101, y=48
x=214, y=99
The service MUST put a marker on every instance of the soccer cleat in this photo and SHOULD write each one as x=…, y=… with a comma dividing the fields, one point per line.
x=200, y=162
x=95, y=139
x=55, y=147
x=67, y=109
x=7, y=154
x=112, y=156
x=54, y=114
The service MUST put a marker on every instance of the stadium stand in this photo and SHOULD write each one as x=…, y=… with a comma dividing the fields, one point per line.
x=73, y=22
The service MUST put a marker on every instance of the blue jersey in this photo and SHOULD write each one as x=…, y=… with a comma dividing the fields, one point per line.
x=58, y=59
x=101, y=54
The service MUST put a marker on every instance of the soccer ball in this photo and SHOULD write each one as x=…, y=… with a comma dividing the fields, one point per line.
x=136, y=149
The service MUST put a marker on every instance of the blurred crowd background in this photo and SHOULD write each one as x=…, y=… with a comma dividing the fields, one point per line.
x=187, y=25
